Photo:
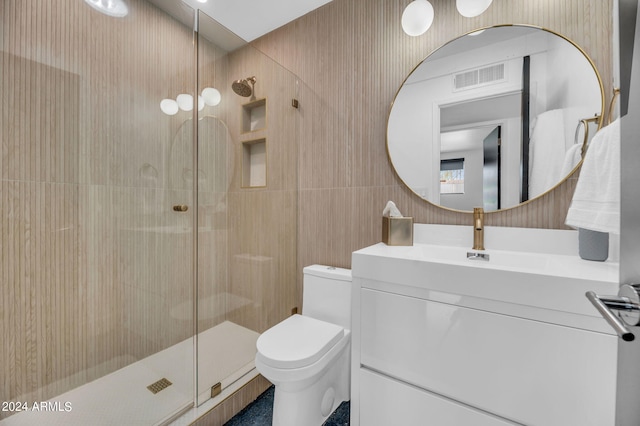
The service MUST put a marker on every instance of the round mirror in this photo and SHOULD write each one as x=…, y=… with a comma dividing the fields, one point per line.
x=494, y=118
x=215, y=166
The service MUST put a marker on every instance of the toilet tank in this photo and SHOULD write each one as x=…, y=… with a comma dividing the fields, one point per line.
x=326, y=294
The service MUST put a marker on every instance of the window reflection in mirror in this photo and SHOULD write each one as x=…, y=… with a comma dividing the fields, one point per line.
x=471, y=156
x=452, y=176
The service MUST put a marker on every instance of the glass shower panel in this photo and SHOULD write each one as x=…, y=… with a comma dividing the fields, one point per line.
x=96, y=265
x=247, y=216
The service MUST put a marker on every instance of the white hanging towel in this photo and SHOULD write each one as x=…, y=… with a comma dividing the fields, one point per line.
x=596, y=201
x=546, y=152
x=571, y=159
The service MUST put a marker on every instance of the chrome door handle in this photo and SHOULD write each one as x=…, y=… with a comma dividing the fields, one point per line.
x=602, y=305
x=627, y=305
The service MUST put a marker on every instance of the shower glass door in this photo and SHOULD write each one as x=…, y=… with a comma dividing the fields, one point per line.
x=96, y=264
x=247, y=197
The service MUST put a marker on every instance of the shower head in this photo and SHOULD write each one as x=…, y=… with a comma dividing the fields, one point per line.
x=242, y=88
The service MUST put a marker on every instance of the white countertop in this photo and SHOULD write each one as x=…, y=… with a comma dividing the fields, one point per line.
x=526, y=281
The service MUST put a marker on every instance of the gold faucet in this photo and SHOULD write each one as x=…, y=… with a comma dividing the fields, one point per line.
x=478, y=228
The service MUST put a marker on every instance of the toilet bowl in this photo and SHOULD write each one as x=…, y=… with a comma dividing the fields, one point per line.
x=307, y=357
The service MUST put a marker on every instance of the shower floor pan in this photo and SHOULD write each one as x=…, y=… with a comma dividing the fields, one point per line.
x=226, y=354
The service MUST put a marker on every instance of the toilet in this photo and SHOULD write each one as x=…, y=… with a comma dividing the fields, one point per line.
x=307, y=356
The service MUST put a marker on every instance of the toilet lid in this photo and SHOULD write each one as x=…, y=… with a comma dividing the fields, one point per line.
x=297, y=341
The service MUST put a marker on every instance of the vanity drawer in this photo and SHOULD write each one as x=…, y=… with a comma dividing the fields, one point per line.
x=384, y=401
x=526, y=371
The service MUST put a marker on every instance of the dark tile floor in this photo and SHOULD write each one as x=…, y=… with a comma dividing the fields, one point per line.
x=260, y=412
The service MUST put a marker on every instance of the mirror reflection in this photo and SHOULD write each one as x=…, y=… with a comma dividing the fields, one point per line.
x=215, y=166
x=493, y=119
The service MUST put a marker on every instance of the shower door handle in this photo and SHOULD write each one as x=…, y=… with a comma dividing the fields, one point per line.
x=627, y=303
x=180, y=208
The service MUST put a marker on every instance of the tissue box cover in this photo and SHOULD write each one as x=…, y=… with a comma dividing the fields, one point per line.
x=397, y=231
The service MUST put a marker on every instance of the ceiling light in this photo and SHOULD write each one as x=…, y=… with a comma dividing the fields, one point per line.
x=472, y=8
x=169, y=106
x=115, y=8
x=185, y=102
x=211, y=96
x=417, y=17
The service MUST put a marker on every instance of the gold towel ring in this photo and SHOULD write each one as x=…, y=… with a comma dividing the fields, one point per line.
x=616, y=93
x=585, y=122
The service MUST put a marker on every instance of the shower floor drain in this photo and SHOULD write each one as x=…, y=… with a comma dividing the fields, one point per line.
x=159, y=385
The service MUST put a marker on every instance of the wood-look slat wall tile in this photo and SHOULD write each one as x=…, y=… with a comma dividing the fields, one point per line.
x=263, y=221
x=84, y=159
x=222, y=413
x=70, y=195
x=352, y=56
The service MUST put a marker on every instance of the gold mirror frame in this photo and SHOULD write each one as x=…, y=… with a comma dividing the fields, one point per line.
x=598, y=118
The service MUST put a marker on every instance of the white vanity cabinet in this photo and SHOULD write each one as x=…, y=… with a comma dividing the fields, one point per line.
x=422, y=355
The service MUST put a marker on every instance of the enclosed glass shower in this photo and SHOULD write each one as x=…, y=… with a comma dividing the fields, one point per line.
x=143, y=248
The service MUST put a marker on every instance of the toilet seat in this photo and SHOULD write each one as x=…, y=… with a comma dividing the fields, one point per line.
x=297, y=342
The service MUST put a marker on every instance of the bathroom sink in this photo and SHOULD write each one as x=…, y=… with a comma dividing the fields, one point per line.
x=483, y=258
x=438, y=319
x=534, y=271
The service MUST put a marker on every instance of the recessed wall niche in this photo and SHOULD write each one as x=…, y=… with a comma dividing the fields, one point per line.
x=254, y=163
x=254, y=116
